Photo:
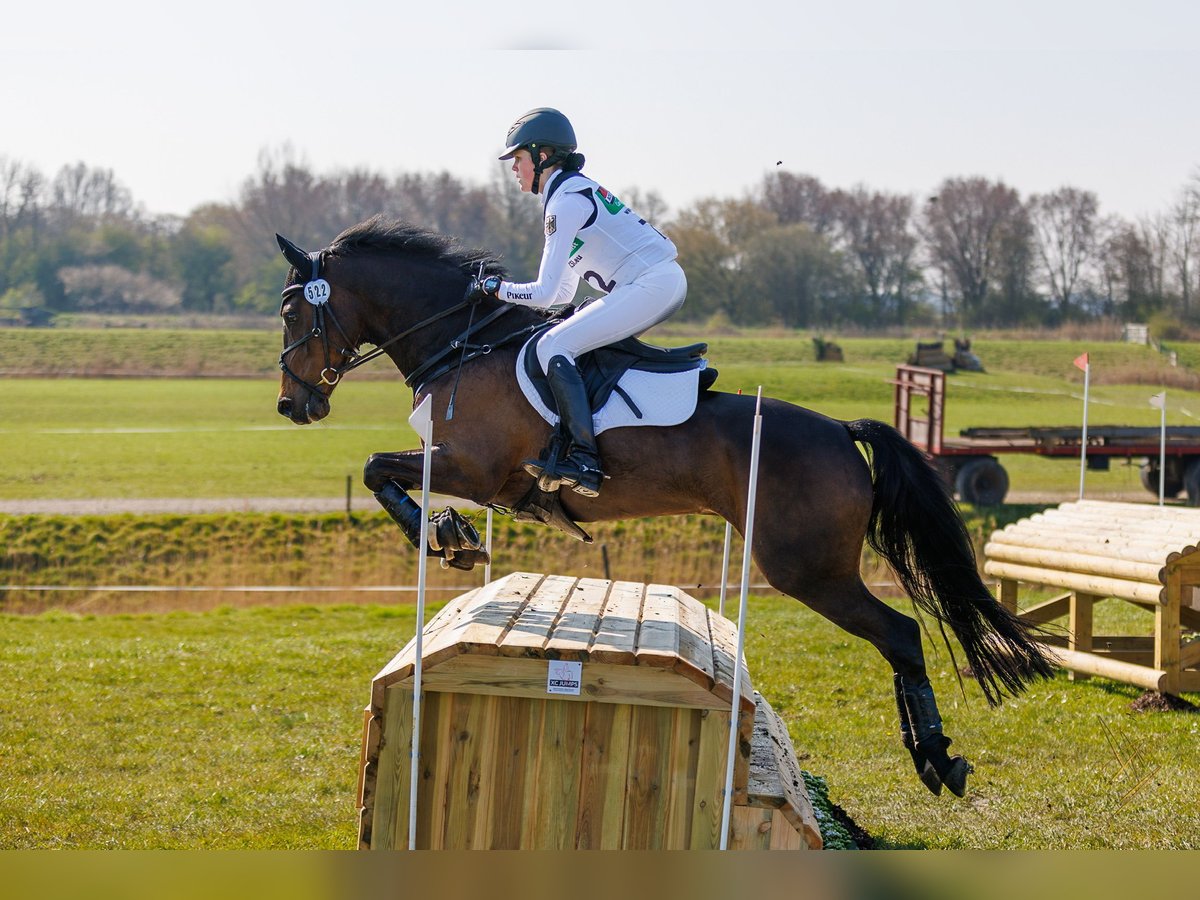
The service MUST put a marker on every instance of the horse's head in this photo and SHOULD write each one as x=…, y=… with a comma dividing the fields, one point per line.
x=316, y=348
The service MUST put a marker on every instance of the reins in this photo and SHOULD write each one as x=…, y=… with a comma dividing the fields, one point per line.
x=330, y=375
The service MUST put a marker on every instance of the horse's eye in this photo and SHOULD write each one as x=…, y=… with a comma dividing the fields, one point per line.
x=291, y=317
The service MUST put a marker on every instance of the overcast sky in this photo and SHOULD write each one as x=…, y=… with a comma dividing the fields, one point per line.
x=690, y=99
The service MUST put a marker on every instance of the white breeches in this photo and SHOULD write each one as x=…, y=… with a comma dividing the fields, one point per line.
x=628, y=310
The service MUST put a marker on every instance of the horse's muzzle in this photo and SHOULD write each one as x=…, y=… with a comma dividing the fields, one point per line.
x=315, y=409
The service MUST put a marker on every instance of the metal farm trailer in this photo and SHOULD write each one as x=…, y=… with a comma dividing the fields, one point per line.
x=969, y=463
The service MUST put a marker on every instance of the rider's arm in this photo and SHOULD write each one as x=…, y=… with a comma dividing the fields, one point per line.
x=556, y=281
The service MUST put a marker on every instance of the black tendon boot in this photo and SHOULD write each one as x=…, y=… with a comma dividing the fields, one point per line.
x=580, y=468
x=926, y=724
x=924, y=767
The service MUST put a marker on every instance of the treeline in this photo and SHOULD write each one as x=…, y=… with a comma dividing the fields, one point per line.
x=792, y=252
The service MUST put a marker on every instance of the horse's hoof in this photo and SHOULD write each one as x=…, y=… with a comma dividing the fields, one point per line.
x=955, y=778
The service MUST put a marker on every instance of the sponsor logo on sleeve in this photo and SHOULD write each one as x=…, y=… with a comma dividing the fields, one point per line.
x=611, y=203
x=551, y=225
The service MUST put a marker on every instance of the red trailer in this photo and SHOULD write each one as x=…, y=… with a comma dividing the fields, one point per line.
x=969, y=463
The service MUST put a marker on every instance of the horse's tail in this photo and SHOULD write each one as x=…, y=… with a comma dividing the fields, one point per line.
x=916, y=527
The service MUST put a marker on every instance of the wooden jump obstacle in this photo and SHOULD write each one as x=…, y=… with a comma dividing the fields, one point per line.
x=1145, y=555
x=635, y=759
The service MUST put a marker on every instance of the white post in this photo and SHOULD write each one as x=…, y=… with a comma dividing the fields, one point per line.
x=727, y=810
x=725, y=567
x=1160, y=401
x=1087, y=371
x=487, y=567
x=422, y=422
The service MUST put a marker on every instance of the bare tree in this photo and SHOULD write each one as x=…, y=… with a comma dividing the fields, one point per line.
x=79, y=192
x=1185, y=241
x=1064, y=226
x=967, y=226
x=799, y=199
x=875, y=230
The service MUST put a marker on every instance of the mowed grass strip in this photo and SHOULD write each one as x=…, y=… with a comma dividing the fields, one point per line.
x=241, y=729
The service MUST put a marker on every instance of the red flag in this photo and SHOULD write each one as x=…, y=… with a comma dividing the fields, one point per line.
x=1081, y=363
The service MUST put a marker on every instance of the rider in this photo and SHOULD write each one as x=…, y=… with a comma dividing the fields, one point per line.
x=593, y=236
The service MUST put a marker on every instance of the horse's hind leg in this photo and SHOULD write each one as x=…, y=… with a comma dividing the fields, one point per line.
x=848, y=604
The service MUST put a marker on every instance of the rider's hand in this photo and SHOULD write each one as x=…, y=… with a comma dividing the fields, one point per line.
x=481, y=290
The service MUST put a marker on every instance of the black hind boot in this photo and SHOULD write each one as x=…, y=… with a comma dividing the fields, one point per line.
x=929, y=744
x=925, y=771
x=580, y=468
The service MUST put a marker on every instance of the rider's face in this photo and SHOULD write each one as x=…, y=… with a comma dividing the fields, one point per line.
x=522, y=166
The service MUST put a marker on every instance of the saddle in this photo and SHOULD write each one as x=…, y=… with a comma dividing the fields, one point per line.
x=603, y=367
x=601, y=370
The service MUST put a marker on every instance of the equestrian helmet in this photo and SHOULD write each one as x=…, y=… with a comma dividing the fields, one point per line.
x=540, y=129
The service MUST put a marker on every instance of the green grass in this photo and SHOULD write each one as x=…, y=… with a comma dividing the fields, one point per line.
x=214, y=437
x=241, y=729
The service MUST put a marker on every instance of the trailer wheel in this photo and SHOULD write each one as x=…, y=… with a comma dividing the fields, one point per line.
x=1191, y=481
x=1172, y=484
x=983, y=482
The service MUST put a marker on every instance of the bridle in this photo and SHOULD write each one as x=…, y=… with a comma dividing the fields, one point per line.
x=318, y=293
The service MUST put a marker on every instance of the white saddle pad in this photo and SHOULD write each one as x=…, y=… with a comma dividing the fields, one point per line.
x=663, y=399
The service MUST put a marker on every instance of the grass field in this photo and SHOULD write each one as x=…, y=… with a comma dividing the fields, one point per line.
x=240, y=729
x=220, y=437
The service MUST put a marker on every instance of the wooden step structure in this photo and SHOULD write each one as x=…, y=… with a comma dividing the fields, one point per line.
x=1142, y=554
x=628, y=748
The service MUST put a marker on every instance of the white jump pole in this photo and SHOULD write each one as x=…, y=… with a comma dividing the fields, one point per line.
x=725, y=567
x=421, y=421
x=1160, y=402
x=487, y=567
x=727, y=809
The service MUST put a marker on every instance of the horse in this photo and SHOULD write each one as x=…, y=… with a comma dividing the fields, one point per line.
x=407, y=292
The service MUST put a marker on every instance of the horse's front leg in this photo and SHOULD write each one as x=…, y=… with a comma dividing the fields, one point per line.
x=390, y=476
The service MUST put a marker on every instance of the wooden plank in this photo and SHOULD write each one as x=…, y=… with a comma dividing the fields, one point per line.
x=517, y=728
x=531, y=628
x=467, y=804
x=1111, y=566
x=1048, y=611
x=602, y=772
x=784, y=837
x=481, y=620
x=558, y=776
x=1007, y=594
x=712, y=752
x=1090, y=584
x=1189, y=654
x=389, y=824
x=680, y=787
x=518, y=677
x=1168, y=636
x=1079, y=626
x=1104, y=667
x=750, y=828
x=658, y=631
x=724, y=645
x=532, y=794
x=649, y=773
x=573, y=633
x=616, y=636
x=438, y=727
x=793, y=801
x=695, y=646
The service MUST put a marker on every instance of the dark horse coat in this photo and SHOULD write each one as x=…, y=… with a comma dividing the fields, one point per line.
x=402, y=289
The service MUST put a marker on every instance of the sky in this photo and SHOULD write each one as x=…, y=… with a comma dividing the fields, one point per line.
x=689, y=99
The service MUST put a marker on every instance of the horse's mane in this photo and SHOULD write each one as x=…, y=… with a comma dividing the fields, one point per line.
x=382, y=234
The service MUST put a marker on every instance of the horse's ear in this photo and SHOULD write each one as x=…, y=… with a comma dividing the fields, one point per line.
x=297, y=257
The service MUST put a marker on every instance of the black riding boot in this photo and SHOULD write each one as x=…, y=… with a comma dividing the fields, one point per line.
x=580, y=468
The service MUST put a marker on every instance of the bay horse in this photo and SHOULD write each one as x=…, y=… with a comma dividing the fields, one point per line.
x=404, y=290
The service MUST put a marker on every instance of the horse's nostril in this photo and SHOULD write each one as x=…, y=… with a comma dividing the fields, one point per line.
x=284, y=406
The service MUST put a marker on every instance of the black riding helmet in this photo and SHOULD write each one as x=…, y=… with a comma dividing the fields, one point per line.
x=541, y=129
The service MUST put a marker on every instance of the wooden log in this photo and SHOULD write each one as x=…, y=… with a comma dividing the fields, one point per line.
x=1151, y=552
x=1089, y=564
x=1088, y=584
x=1103, y=667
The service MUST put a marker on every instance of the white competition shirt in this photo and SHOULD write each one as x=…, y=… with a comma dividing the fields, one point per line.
x=590, y=235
